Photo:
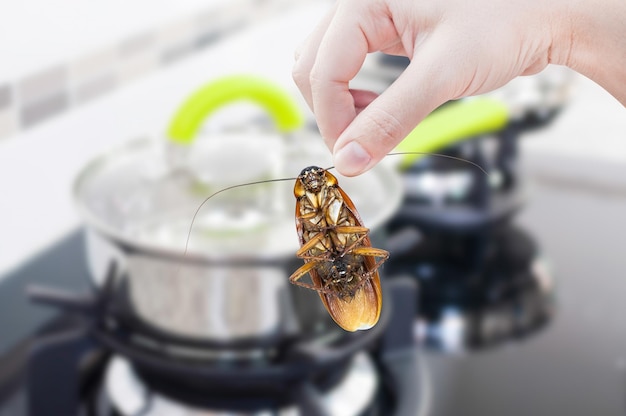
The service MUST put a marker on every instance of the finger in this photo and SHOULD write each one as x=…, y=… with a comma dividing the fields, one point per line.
x=306, y=54
x=422, y=87
x=340, y=56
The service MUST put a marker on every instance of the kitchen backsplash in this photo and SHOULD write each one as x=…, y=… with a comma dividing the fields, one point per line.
x=52, y=88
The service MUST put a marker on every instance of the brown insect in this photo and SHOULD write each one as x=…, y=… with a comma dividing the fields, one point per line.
x=335, y=246
x=337, y=251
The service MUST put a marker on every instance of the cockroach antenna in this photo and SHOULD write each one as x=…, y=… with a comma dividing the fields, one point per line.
x=460, y=159
x=228, y=188
x=193, y=219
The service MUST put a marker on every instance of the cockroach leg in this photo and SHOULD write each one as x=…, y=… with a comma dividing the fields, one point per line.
x=352, y=230
x=308, y=215
x=302, y=252
x=355, y=229
x=301, y=272
x=311, y=266
x=371, y=251
x=378, y=253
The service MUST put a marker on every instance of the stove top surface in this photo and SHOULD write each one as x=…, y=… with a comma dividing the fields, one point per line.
x=575, y=366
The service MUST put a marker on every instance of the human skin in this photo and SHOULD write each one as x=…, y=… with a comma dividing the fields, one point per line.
x=456, y=49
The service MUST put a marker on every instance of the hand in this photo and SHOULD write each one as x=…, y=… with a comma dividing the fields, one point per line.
x=457, y=48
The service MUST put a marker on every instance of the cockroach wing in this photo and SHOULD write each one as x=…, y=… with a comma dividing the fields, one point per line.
x=360, y=312
x=363, y=311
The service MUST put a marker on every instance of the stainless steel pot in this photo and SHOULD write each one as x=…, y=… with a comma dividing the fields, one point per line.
x=230, y=280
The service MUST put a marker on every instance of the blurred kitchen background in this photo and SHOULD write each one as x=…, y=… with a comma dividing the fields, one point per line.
x=504, y=294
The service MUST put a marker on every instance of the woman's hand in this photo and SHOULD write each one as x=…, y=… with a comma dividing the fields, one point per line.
x=457, y=48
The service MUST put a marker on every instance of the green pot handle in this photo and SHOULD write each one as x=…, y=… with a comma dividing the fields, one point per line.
x=453, y=123
x=283, y=109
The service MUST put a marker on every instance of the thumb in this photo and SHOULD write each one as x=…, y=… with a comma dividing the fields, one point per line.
x=392, y=116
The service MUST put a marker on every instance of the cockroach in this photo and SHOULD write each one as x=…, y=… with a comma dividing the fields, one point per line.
x=335, y=246
x=337, y=251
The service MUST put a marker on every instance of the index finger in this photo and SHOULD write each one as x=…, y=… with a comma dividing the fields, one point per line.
x=340, y=56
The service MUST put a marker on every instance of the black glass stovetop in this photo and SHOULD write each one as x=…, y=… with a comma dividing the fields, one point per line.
x=574, y=366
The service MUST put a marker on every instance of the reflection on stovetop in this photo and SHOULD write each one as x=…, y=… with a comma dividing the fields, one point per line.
x=575, y=365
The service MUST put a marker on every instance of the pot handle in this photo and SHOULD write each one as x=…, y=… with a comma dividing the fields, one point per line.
x=452, y=123
x=279, y=104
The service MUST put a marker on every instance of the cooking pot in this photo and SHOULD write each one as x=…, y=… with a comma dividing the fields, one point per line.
x=226, y=277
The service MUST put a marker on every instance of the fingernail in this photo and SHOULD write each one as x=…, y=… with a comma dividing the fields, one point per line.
x=351, y=159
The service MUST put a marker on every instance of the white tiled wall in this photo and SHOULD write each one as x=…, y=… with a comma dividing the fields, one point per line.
x=59, y=55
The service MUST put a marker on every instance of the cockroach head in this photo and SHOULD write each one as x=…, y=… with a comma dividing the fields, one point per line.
x=313, y=178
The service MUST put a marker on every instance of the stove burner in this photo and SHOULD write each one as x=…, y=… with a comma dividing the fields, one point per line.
x=130, y=396
x=298, y=374
x=481, y=279
x=478, y=291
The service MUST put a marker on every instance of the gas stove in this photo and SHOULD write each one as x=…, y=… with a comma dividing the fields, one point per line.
x=568, y=359
x=110, y=365
x=114, y=367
